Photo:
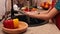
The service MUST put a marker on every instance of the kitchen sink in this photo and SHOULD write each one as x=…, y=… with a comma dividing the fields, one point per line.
x=31, y=21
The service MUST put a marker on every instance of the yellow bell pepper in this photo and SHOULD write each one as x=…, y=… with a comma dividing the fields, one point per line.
x=16, y=22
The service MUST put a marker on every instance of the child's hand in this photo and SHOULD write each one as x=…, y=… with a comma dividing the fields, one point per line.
x=30, y=13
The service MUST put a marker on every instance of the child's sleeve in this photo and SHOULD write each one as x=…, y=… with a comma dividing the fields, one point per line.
x=57, y=6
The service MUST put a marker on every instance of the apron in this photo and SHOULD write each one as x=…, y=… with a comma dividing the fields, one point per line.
x=57, y=18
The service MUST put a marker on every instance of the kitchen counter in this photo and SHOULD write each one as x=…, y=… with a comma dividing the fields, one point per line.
x=49, y=28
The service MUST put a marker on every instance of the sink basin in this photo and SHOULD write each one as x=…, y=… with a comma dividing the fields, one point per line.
x=31, y=21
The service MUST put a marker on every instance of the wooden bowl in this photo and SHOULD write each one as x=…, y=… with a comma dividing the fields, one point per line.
x=22, y=28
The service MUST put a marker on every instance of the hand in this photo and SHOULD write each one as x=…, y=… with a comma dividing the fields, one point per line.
x=30, y=13
x=44, y=12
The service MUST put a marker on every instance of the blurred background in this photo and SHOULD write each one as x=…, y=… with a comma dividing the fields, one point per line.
x=34, y=2
x=2, y=7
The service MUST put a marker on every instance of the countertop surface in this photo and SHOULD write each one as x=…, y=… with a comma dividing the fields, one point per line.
x=49, y=28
